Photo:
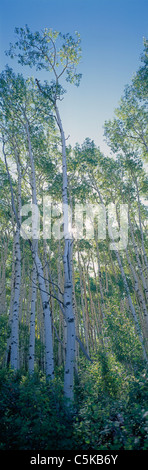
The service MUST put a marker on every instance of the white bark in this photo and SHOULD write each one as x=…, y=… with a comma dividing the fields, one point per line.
x=137, y=288
x=3, y=279
x=136, y=280
x=38, y=271
x=140, y=225
x=82, y=306
x=49, y=360
x=68, y=285
x=60, y=348
x=70, y=343
x=100, y=282
x=11, y=304
x=34, y=271
x=132, y=308
x=138, y=261
x=14, y=359
x=32, y=321
x=15, y=310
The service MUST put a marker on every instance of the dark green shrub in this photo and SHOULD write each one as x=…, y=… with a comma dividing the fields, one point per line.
x=32, y=414
x=113, y=413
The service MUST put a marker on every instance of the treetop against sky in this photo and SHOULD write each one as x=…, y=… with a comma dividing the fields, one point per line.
x=112, y=34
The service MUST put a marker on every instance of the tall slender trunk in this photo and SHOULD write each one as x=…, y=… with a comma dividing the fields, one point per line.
x=131, y=305
x=140, y=225
x=60, y=349
x=14, y=361
x=32, y=320
x=8, y=351
x=138, y=260
x=132, y=308
x=3, y=279
x=68, y=284
x=136, y=280
x=14, y=358
x=85, y=326
x=49, y=360
x=99, y=315
x=38, y=271
x=93, y=312
x=87, y=319
x=34, y=270
x=102, y=304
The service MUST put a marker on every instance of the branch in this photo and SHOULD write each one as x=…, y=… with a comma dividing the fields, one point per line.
x=12, y=197
x=11, y=188
x=43, y=92
x=63, y=69
x=45, y=291
x=83, y=349
x=77, y=339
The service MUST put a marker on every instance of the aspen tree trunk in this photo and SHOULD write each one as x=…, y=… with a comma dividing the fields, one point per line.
x=143, y=311
x=138, y=260
x=22, y=291
x=68, y=285
x=88, y=324
x=15, y=310
x=98, y=317
x=131, y=305
x=132, y=308
x=136, y=280
x=34, y=271
x=38, y=271
x=88, y=310
x=49, y=360
x=70, y=344
x=14, y=358
x=100, y=283
x=99, y=268
x=8, y=351
x=140, y=225
x=76, y=318
x=82, y=306
x=41, y=331
x=73, y=292
x=32, y=322
x=46, y=267
x=137, y=288
x=3, y=279
x=93, y=313
x=60, y=352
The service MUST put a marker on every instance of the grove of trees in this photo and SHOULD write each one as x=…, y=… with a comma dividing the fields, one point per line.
x=73, y=303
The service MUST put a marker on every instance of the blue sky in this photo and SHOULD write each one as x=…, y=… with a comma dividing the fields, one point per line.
x=112, y=34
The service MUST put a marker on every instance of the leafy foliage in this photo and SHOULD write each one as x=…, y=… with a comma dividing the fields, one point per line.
x=113, y=412
x=109, y=286
x=110, y=410
x=32, y=414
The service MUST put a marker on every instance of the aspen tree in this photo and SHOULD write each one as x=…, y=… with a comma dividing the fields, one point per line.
x=118, y=257
x=136, y=280
x=85, y=325
x=19, y=97
x=14, y=358
x=40, y=50
x=145, y=287
x=34, y=249
x=140, y=225
x=38, y=271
